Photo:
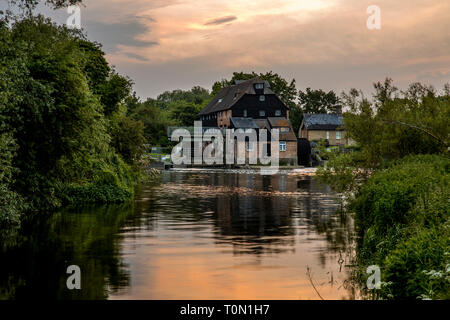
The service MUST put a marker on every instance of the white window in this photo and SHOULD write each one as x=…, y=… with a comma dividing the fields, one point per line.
x=259, y=86
x=282, y=145
x=262, y=113
x=338, y=135
x=277, y=113
x=328, y=134
x=262, y=98
x=220, y=100
x=245, y=113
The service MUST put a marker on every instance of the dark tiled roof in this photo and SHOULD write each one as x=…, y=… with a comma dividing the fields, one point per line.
x=230, y=95
x=282, y=122
x=243, y=123
x=262, y=123
x=279, y=122
x=322, y=121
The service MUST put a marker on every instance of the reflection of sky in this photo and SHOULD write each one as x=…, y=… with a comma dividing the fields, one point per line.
x=168, y=44
x=234, y=244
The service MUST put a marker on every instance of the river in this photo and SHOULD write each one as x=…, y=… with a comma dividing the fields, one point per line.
x=195, y=234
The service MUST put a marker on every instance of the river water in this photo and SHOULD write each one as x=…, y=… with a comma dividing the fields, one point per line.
x=195, y=234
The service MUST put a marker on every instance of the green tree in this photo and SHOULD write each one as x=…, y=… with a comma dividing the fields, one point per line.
x=56, y=87
x=317, y=101
x=155, y=120
x=128, y=139
x=197, y=95
x=184, y=113
x=313, y=101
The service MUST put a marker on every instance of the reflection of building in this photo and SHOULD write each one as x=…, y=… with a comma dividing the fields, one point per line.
x=252, y=104
x=259, y=222
x=315, y=127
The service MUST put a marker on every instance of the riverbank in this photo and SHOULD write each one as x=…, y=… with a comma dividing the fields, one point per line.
x=402, y=216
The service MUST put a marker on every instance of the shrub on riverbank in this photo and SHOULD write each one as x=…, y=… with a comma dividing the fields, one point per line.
x=65, y=135
x=402, y=215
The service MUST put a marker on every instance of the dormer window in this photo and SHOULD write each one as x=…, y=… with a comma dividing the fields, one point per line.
x=277, y=113
x=245, y=113
x=262, y=98
x=262, y=113
x=259, y=86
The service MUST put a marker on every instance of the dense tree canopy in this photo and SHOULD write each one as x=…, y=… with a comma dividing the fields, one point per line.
x=63, y=119
x=171, y=108
x=317, y=101
x=30, y=4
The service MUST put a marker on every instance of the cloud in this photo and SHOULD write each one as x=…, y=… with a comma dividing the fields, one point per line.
x=114, y=35
x=321, y=43
x=135, y=56
x=222, y=20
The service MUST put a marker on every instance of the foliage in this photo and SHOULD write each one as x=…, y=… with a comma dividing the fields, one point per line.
x=419, y=266
x=396, y=125
x=11, y=204
x=64, y=126
x=128, y=139
x=402, y=216
x=197, y=96
x=184, y=113
x=385, y=200
x=317, y=101
x=171, y=108
x=155, y=121
x=341, y=172
x=31, y=4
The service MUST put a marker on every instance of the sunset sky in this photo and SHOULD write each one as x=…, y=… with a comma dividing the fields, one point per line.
x=169, y=44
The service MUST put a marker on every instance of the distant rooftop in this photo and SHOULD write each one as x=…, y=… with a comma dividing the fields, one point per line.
x=322, y=121
x=228, y=96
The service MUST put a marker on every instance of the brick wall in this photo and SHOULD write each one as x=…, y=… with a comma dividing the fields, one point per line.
x=315, y=135
x=290, y=155
x=223, y=118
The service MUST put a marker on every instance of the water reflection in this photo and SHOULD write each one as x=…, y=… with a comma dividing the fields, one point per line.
x=195, y=235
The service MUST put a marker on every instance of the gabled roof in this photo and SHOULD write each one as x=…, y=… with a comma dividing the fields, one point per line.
x=322, y=121
x=282, y=122
x=228, y=96
x=243, y=123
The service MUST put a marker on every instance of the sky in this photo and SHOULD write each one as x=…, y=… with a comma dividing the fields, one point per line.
x=323, y=44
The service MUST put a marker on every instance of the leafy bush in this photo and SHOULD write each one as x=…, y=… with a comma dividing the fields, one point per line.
x=418, y=267
x=403, y=218
x=386, y=198
x=11, y=204
x=111, y=181
x=93, y=193
x=63, y=124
